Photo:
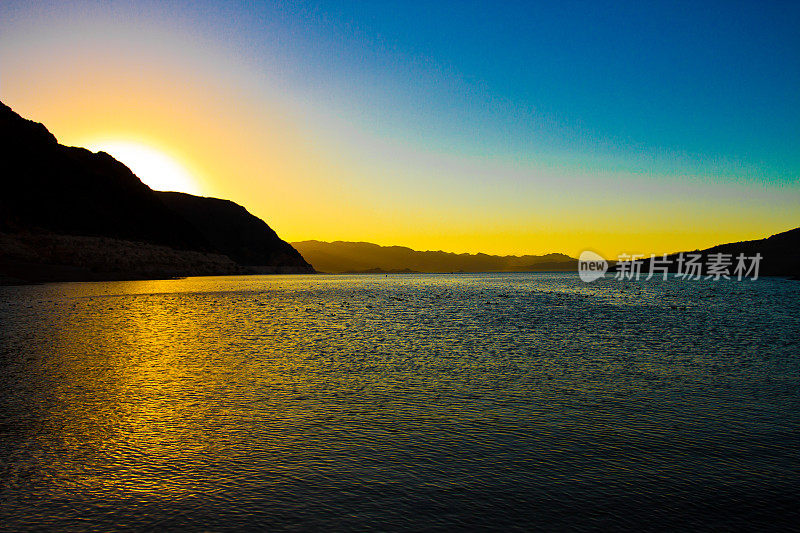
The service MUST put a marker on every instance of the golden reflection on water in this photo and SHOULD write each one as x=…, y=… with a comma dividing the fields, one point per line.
x=238, y=392
x=147, y=388
x=128, y=398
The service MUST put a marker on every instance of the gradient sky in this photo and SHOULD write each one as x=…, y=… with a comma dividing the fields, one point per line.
x=517, y=127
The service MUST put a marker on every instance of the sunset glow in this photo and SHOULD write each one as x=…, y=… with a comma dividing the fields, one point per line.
x=415, y=131
x=156, y=169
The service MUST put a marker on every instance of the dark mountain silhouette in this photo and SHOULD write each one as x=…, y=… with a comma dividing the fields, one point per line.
x=69, y=190
x=780, y=254
x=50, y=193
x=340, y=256
x=231, y=230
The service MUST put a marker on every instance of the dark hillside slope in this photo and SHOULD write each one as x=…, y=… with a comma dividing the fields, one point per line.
x=233, y=231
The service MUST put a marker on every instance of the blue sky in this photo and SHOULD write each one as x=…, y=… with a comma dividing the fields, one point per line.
x=711, y=86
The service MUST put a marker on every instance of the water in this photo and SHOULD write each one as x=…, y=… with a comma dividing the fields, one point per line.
x=413, y=402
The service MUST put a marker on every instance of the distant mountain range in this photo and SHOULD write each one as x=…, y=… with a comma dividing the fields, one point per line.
x=69, y=214
x=363, y=257
x=780, y=256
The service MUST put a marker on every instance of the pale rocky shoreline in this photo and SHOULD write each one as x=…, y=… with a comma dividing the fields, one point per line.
x=48, y=257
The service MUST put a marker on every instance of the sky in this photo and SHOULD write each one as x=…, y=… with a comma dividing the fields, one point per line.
x=508, y=128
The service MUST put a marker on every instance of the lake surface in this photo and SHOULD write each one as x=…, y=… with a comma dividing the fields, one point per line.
x=407, y=402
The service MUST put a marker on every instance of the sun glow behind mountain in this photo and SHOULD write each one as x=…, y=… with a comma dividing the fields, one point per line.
x=157, y=169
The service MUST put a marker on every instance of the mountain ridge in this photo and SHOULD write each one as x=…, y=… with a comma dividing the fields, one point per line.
x=360, y=256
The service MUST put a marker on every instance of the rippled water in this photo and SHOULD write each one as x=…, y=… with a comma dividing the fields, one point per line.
x=411, y=402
